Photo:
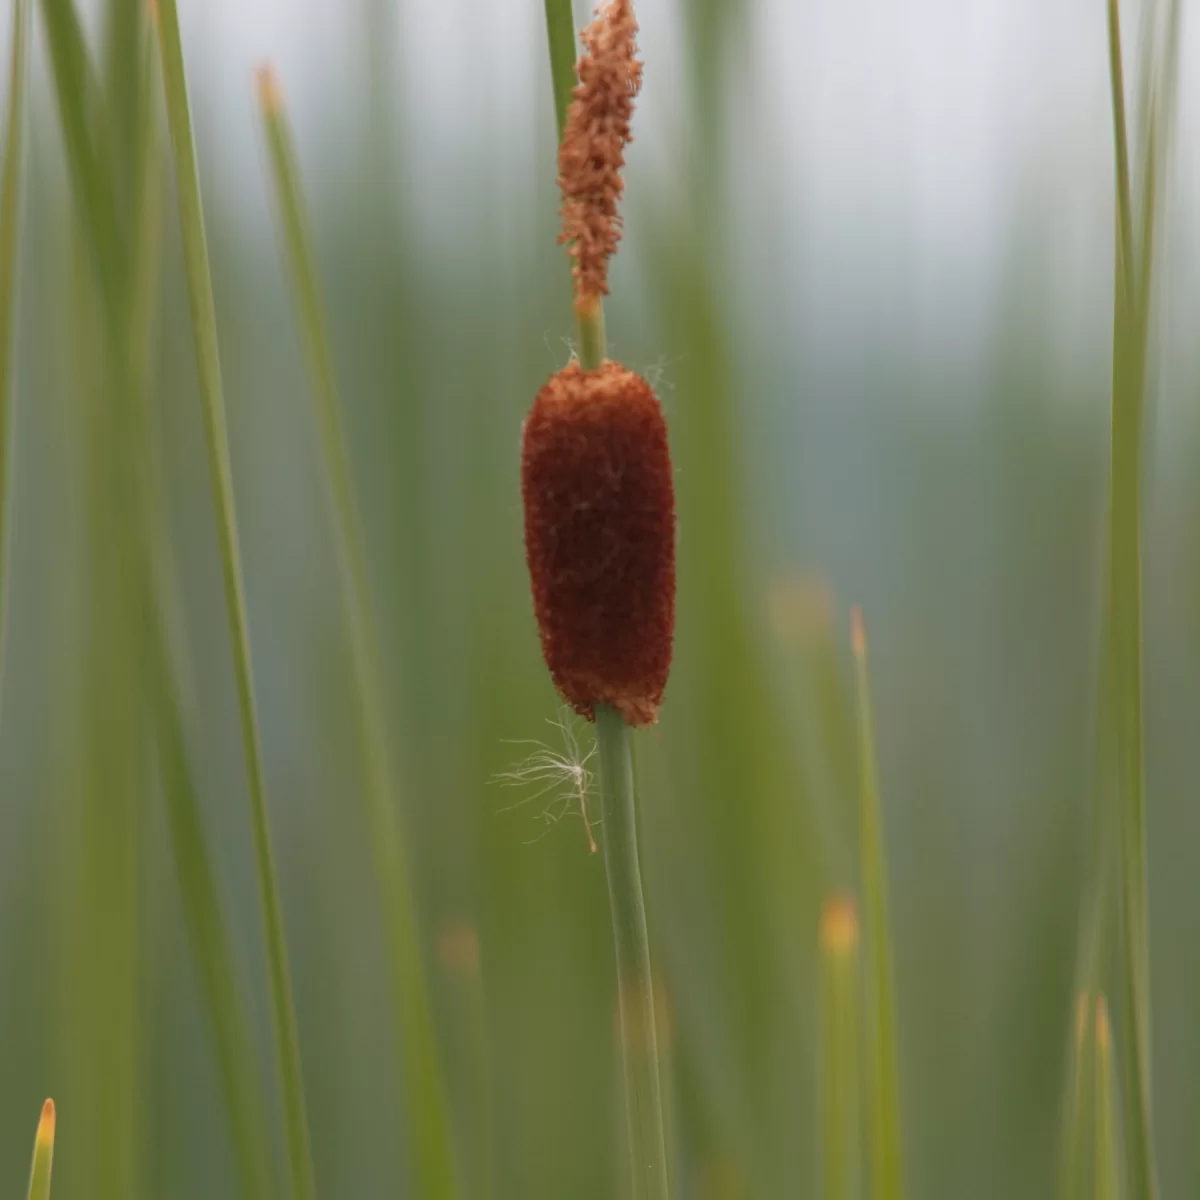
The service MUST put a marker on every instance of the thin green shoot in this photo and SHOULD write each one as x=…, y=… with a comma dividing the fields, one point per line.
x=432, y=1140
x=883, y=1099
x=204, y=326
x=635, y=986
x=10, y=219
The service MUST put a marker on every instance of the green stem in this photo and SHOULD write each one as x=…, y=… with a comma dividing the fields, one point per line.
x=1131, y=314
x=204, y=325
x=592, y=349
x=887, y=1169
x=560, y=32
x=428, y=1106
x=635, y=988
x=10, y=216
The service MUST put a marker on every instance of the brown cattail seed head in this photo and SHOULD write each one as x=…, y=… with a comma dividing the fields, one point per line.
x=593, y=146
x=600, y=538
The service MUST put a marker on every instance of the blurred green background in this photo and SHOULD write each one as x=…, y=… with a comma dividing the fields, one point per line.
x=868, y=265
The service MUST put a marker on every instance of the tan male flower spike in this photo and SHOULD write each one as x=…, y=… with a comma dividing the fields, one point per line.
x=592, y=152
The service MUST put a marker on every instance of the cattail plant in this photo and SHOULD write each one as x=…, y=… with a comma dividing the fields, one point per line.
x=600, y=526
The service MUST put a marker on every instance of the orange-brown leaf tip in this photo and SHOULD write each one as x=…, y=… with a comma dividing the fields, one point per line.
x=458, y=948
x=1103, y=1027
x=599, y=502
x=858, y=633
x=45, y=1129
x=592, y=153
x=270, y=94
x=839, y=925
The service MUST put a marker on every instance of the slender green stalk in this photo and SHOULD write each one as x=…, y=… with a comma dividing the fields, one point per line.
x=10, y=217
x=1106, y=1144
x=204, y=325
x=1131, y=321
x=560, y=33
x=635, y=988
x=887, y=1167
x=841, y=988
x=84, y=132
x=208, y=933
x=43, y=1155
x=560, y=30
x=1121, y=146
x=420, y=1066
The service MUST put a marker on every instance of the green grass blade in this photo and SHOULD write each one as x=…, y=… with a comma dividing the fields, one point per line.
x=560, y=32
x=887, y=1168
x=1121, y=145
x=1131, y=324
x=433, y=1147
x=204, y=326
x=43, y=1155
x=1107, y=1141
x=840, y=1050
x=635, y=987
x=81, y=117
x=10, y=218
x=209, y=939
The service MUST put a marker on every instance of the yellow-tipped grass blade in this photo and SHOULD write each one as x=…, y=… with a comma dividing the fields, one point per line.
x=43, y=1155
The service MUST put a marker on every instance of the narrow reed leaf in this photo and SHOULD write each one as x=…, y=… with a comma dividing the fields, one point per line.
x=43, y=1155
x=1133, y=293
x=1121, y=145
x=635, y=987
x=204, y=327
x=421, y=1070
x=208, y=931
x=81, y=116
x=840, y=1115
x=883, y=1081
x=10, y=218
x=1107, y=1140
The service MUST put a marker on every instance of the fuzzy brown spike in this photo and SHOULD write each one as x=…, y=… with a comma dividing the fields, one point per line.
x=600, y=538
x=592, y=152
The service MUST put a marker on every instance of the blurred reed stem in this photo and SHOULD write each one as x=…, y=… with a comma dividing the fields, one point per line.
x=299, y=1155
x=43, y=1149
x=1133, y=290
x=635, y=988
x=10, y=218
x=840, y=1115
x=887, y=1168
x=1107, y=1141
x=421, y=1069
x=1073, y=1176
